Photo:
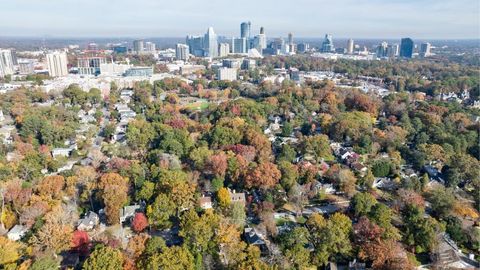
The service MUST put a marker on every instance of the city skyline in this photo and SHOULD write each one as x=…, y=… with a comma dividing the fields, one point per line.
x=424, y=19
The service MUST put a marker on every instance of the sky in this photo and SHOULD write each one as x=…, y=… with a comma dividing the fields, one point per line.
x=432, y=19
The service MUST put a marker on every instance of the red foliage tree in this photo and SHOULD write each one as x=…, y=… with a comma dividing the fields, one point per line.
x=80, y=242
x=139, y=222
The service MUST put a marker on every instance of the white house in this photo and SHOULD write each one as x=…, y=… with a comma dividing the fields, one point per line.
x=17, y=232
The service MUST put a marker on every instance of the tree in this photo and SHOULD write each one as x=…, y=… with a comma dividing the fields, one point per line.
x=362, y=203
x=80, y=241
x=139, y=222
x=442, y=200
x=160, y=211
x=265, y=175
x=289, y=174
x=318, y=146
x=420, y=232
x=9, y=251
x=330, y=237
x=223, y=196
x=198, y=231
x=51, y=186
x=217, y=164
x=104, y=258
x=139, y=134
x=381, y=168
x=382, y=216
x=45, y=263
x=346, y=181
x=114, y=190
x=287, y=153
x=174, y=258
x=56, y=233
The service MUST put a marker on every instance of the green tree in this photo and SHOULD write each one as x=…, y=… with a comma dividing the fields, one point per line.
x=104, y=258
x=318, y=146
x=160, y=211
x=362, y=203
x=442, y=200
x=289, y=174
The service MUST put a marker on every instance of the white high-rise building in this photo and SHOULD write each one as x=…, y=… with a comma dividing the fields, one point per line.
x=57, y=64
x=350, y=46
x=211, y=43
x=150, y=47
x=6, y=63
x=425, y=49
x=182, y=52
x=223, y=49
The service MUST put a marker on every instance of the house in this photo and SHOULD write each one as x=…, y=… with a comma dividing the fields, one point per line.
x=359, y=167
x=237, y=197
x=127, y=212
x=432, y=171
x=383, y=183
x=205, y=202
x=70, y=260
x=88, y=222
x=17, y=232
x=61, y=152
x=6, y=133
x=252, y=237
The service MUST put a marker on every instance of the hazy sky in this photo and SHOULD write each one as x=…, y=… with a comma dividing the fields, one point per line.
x=305, y=18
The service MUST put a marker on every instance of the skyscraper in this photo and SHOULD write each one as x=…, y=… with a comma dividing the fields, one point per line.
x=210, y=43
x=327, y=45
x=6, y=63
x=350, y=46
x=260, y=40
x=392, y=50
x=245, y=29
x=182, y=52
x=195, y=44
x=150, y=47
x=382, y=50
x=57, y=64
x=425, y=49
x=406, y=48
x=223, y=49
x=138, y=46
x=240, y=45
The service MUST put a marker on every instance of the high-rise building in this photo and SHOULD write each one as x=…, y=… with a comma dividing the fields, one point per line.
x=382, y=50
x=90, y=65
x=303, y=47
x=6, y=63
x=425, y=49
x=245, y=29
x=210, y=43
x=14, y=56
x=138, y=46
x=150, y=47
x=350, y=46
x=406, y=48
x=57, y=64
x=182, y=52
x=260, y=41
x=195, y=45
x=223, y=49
x=392, y=50
x=240, y=45
x=327, y=45
x=25, y=66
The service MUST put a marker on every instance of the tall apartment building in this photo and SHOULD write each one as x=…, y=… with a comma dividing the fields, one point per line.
x=57, y=64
